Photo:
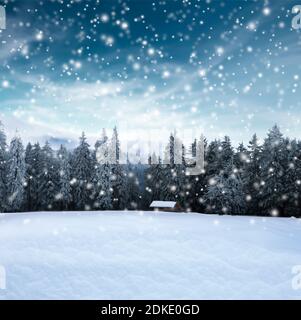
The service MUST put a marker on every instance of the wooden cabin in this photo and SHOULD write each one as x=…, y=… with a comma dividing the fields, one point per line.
x=170, y=206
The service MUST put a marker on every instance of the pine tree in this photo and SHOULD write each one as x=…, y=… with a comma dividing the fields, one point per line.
x=131, y=188
x=115, y=147
x=173, y=175
x=167, y=174
x=29, y=190
x=252, y=176
x=36, y=164
x=241, y=157
x=213, y=164
x=227, y=152
x=98, y=143
x=48, y=179
x=3, y=170
x=172, y=150
x=81, y=175
x=225, y=193
x=102, y=178
x=117, y=171
x=140, y=174
x=64, y=196
x=16, y=175
x=193, y=148
x=297, y=179
x=274, y=164
x=157, y=183
x=290, y=199
x=196, y=184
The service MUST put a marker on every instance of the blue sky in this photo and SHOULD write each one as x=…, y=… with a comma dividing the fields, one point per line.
x=222, y=67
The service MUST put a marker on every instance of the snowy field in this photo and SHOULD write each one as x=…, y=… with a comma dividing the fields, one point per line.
x=116, y=255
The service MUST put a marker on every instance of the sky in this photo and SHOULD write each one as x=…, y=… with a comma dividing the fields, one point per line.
x=149, y=67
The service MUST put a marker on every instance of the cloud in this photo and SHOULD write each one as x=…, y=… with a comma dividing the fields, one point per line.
x=63, y=110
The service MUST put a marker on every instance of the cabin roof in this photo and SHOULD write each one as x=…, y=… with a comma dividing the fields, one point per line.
x=163, y=204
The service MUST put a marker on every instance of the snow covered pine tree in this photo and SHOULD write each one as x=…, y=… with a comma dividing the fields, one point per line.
x=16, y=175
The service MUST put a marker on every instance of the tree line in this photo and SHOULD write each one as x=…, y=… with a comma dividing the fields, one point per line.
x=257, y=179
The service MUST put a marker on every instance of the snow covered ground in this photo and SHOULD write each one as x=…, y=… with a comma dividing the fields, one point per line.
x=119, y=255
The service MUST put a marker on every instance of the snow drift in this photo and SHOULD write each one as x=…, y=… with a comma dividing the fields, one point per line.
x=147, y=255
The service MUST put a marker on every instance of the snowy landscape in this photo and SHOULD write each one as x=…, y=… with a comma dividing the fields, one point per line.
x=148, y=255
x=106, y=109
x=262, y=180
